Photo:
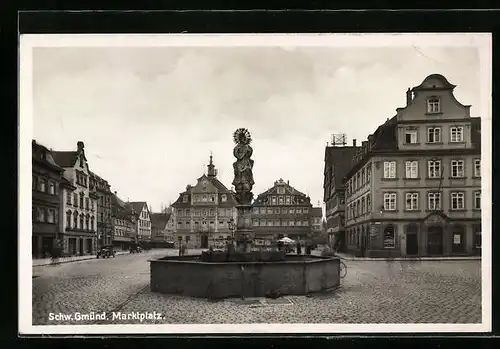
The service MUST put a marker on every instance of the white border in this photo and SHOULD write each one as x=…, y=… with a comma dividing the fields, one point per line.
x=27, y=42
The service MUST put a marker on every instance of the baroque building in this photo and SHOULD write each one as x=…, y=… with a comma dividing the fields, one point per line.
x=414, y=187
x=46, y=200
x=338, y=161
x=204, y=214
x=123, y=222
x=102, y=189
x=78, y=204
x=282, y=211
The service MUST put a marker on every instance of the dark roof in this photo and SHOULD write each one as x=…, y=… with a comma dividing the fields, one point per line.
x=317, y=212
x=280, y=183
x=137, y=206
x=65, y=158
x=159, y=220
x=341, y=159
x=40, y=153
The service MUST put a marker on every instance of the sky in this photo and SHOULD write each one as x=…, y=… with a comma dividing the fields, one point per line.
x=150, y=116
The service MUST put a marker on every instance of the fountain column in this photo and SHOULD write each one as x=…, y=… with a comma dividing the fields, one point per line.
x=243, y=183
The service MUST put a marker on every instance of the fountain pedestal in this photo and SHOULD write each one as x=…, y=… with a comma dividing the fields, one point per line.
x=244, y=232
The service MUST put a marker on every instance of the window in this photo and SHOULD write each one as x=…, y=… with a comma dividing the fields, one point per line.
x=292, y=211
x=457, y=168
x=277, y=210
x=81, y=200
x=434, y=201
x=368, y=203
x=434, y=168
x=269, y=222
x=389, y=201
x=273, y=200
x=281, y=190
x=280, y=199
x=68, y=198
x=224, y=197
x=68, y=219
x=270, y=211
x=433, y=106
x=434, y=134
x=50, y=216
x=87, y=203
x=456, y=134
x=477, y=167
x=390, y=169
x=51, y=188
x=75, y=220
x=305, y=210
x=389, y=237
x=306, y=223
x=212, y=198
x=81, y=221
x=411, y=169
x=291, y=222
x=457, y=201
x=477, y=200
x=299, y=210
x=287, y=200
x=184, y=198
x=40, y=214
x=277, y=222
x=41, y=185
x=299, y=222
x=255, y=222
x=87, y=222
x=411, y=136
x=411, y=201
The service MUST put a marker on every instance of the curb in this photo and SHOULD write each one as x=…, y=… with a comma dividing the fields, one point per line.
x=71, y=261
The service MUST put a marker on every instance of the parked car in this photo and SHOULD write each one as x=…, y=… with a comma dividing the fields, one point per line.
x=135, y=249
x=106, y=252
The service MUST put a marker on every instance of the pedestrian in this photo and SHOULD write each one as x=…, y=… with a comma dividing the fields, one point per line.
x=308, y=249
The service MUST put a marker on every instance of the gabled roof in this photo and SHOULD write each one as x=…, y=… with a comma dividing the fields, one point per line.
x=341, y=159
x=159, y=220
x=221, y=189
x=42, y=154
x=138, y=205
x=445, y=83
x=280, y=183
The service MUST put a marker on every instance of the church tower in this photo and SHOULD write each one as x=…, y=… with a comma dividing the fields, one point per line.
x=212, y=172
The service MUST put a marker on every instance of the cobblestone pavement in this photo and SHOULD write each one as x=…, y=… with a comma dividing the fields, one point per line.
x=372, y=292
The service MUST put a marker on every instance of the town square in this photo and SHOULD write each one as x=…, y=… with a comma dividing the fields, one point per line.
x=257, y=185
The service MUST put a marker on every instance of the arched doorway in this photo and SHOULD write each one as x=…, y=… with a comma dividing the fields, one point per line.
x=435, y=240
x=412, y=239
x=458, y=239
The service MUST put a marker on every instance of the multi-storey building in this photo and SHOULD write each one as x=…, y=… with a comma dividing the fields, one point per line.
x=124, y=223
x=143, y=220
x=282, y=211
x=338, y=161
x=79, y=203
x=205, y=213
x=104, y=220
x=415, y=186
x=46, y=200
x=159, y=235
x=316, y=220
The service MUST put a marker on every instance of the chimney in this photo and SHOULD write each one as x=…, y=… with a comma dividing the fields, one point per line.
x=354, y=142
x=115, y=192
x=80, y=145
x=408, y=96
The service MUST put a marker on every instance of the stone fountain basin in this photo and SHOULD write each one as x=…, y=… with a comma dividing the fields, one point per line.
x=295, y=275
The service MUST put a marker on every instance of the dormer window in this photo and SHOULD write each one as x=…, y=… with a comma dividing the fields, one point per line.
x=433, y=106
x=224, y=197
x=281, y=190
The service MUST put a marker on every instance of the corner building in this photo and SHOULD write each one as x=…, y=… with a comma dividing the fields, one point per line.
x=282, y=211
x=414, y=188
x=202, y=215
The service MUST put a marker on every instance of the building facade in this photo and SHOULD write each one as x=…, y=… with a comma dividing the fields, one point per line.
x=123, y=223
x=414, y=188
x=282, y=211
x=105, y=229
x=78, y=204
x=204, y=214
x=159, y=232
x=46, y=201
x=316, y=220
x=338, y=161
x=143, y=220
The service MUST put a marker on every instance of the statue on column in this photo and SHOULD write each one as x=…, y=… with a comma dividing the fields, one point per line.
x=243, y=176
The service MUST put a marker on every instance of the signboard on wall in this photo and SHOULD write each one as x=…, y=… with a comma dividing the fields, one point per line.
x=456, y=239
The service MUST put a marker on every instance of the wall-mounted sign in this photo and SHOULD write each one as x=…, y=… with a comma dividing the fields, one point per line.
x=456, y=239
